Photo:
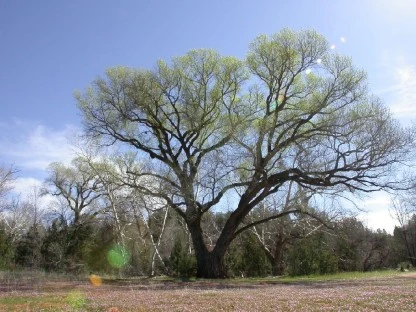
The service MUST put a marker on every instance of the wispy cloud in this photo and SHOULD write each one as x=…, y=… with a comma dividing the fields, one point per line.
x=406, y=91
x=34, y=146
x=31, y=148
x=25, y=185
x=400, y=93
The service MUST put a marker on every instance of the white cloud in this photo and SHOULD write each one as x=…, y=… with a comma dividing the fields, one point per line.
x=378, y=199
x=401, y=91
x=29, y=190
x=376, y=214
x=380, y=219
x=25, y=185
x=31, y=148
x=34, y=147
x=405, y=104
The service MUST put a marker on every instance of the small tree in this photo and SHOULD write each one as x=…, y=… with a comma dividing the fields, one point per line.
x=54, y=246
x=28, y=248
x=182, y=263
x=253, y=261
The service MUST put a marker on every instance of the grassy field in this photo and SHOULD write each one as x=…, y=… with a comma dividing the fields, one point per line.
x=376, y=291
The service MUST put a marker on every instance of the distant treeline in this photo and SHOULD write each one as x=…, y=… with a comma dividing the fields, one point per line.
x=160, y=244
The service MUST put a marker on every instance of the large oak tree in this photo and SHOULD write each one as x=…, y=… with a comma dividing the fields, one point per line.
x=207, y=127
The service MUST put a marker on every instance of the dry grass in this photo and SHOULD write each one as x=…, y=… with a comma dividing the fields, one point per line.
x=393, y=292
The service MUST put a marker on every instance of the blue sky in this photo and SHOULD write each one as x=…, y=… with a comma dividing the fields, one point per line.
x=49, y=48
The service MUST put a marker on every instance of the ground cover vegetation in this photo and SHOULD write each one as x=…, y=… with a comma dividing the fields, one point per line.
x=377, y=291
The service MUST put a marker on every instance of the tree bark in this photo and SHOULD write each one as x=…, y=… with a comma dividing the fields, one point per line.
x=275, y=258
x=210, y=263
x=277, y=265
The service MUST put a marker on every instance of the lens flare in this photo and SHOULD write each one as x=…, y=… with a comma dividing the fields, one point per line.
x=308, y=71
x=95, y=280
x=318, y=61
x=280, y=99
x=76, y=299
x=333, y=47
x=343, y=39
x=118, y=257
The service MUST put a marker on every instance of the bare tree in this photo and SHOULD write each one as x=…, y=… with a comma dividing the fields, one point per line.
x=77, y=185
x=17, y=219
x=112, y=193
x=7, y=176
x=144, y=215
x=23, y=213
x=209, y=127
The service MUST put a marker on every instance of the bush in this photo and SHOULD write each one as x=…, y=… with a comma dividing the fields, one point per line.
x=405, y=266
x=182, y=263
x=246, y=258
x=6, y=249
x=312, y=256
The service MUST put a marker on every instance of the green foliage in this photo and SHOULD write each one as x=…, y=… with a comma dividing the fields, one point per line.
x=7, y=249
x=63, y=248
x=254, y=262
x=312, y=256
x=183, y=264
x=54, y=246
x=140, y=263
x=203, y=126
x=399, y=246
x=348, y=255
x=405, y=266
x=247, y=259
x=28, y=253
x=95, y=248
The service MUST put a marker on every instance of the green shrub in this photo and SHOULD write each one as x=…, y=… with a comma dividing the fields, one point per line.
x=182, y=263
x=312, y=256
